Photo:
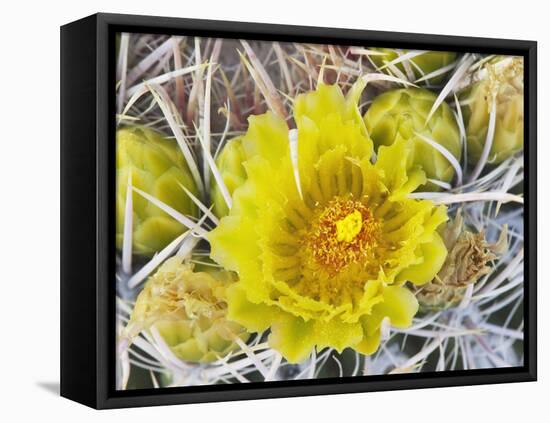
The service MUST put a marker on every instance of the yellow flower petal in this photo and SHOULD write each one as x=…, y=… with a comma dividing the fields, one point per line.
x=433, y=256
x=318, y=104
x=337, y=334
x=255, y=317
x=369, y=344
x=267, y=136
x=293, y=337
x=399, y=304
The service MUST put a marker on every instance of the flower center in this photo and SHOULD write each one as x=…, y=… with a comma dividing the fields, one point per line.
x=345, y=232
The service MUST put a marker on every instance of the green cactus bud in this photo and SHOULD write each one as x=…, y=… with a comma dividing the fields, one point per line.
x=156, y=166
x=188, y=309
x=420, y=65
x=466, y=262
x=402, y=114
x=503, y=82
x=230, y=165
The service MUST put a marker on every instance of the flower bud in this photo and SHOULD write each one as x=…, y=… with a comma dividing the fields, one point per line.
x=503, y=84
x=188, y=309
x=230, y=165
x=401, y=114
x=155, y=165
x=420, y=65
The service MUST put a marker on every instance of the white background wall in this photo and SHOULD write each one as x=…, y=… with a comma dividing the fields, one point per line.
x=29, y=224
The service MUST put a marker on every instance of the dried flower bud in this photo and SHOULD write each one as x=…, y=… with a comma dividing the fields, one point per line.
x=503, y=84
x=230, y=165
x=401, y=114
x=188, y=309
x=155, y=166
x=420, y=65
x=466, y=262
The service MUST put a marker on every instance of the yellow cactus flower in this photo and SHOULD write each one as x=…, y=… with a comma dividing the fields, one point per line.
x=188, y=309
x=504, y=84
x=322, y=238
x=157, y=167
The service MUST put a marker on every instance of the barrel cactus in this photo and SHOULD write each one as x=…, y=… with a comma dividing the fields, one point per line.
x=230, y=165
x=156, y=166
x=401, y=114
x=188, y=309
x=423, y=64
x=503, y=83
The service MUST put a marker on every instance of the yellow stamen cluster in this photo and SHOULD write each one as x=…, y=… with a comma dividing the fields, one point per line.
x=345, y=232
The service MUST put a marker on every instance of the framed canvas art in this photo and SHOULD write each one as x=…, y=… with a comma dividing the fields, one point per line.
x=255, y=211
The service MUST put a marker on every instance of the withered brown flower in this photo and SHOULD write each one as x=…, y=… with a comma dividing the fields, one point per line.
x=467, y=261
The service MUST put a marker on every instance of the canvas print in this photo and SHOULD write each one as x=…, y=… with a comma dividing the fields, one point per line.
x=290, y=211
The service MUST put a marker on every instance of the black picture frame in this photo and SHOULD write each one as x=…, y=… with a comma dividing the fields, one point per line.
x=87, y=216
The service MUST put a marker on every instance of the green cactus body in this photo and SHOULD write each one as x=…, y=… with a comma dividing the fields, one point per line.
x=402, y=113
x=188, y=310
x=420, y=65
x=504, y=82
x=230, y=165
x=156, y=166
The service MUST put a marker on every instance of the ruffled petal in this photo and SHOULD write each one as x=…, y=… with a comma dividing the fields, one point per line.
x=337, y=334
x=433, y=256
x=318, y=104
x=369, y=343
x=255, y=317
x=293, y=337
x=399, y=305
x=267, y=136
